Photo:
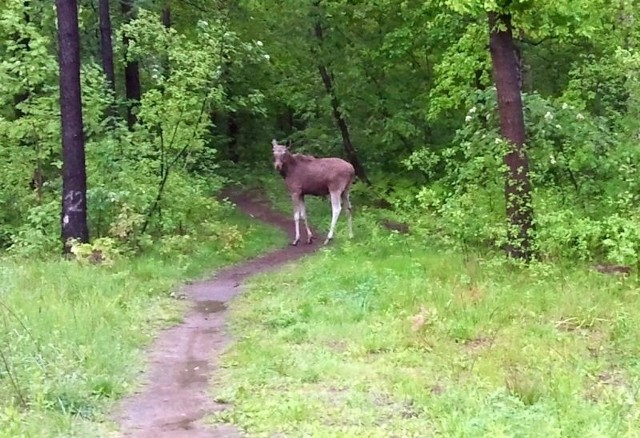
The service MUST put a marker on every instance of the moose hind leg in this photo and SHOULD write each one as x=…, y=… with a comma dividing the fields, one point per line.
x=347, y=204
x=335, y=212
x=303, y=215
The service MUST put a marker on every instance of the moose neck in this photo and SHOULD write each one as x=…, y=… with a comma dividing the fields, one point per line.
x=288, y=164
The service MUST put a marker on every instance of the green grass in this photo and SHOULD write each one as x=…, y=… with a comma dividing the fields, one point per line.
x=71, y=335
x=385, y=337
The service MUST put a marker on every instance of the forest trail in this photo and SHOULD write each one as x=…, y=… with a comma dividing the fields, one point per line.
x=182, y=360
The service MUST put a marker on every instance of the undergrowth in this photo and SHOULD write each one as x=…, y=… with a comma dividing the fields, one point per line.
x=71, y=331
x=384, y=336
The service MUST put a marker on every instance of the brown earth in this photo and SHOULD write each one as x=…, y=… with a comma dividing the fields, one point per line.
x=183, y=358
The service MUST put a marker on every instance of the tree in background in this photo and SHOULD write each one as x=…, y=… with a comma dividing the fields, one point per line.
x=517, y=192
x=74, y=177
x=133, y=88
x=106, y=49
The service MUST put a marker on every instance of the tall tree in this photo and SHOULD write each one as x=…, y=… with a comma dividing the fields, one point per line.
x=74, y=177
x=106, y=46
x=506, y=72
x=133, y=89
x=106, y=42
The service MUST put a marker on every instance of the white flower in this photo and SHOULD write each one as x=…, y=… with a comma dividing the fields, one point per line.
x=472, y=110
x=558, y=126
x=565, y=106
x=548, y=116
x=267, y=57
x=259, y=43
x=579, y=116
x=468, y=119
x=552, y=159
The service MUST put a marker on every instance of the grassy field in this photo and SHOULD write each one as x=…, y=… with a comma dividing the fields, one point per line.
x=70, y=335
x=385, y=336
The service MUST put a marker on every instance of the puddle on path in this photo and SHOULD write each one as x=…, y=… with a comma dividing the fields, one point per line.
x=209, y=306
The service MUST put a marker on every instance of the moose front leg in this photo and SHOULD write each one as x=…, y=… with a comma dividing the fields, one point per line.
x=303, y=215
x=295, y=198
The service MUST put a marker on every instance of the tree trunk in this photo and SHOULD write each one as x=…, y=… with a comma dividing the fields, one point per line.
x=106, y=48
x=166, y=15
x=131, y=70
x=106, y=43
x=350, y=150
x=167, y=23
x=74, y=177
x=517, y=185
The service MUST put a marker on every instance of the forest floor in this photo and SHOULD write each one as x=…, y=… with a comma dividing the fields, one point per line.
x=183, y=358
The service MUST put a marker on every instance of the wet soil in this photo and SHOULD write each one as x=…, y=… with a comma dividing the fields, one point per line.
x=184, y=358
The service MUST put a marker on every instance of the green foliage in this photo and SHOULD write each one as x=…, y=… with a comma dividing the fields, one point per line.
x=584, y=174
x=141, y=183
x=221, y=82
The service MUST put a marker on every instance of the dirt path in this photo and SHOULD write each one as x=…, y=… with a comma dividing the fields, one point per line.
x=183, y=358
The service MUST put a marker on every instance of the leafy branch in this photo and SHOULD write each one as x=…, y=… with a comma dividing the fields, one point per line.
x=167, y=169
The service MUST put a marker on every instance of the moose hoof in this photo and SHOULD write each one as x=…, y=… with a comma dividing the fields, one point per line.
x=294, y=243
x=326, y=242
x=309, y=240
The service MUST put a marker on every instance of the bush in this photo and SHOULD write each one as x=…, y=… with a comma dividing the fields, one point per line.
x=585, y=179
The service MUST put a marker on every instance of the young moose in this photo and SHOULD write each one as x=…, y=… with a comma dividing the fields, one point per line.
x=307, y=175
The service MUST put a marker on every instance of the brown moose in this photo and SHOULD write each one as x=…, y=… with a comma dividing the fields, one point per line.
x=307, y=175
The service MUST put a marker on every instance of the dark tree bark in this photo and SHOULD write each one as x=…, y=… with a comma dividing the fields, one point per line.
x=166, y=15
x=74, y=177
x=327, y=80
x=106, y=43
x=167, y=22
x=517, y=184
x=106, y=49
x=133, y=89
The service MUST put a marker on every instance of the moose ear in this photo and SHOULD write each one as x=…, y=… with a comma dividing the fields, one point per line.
x=274, y=142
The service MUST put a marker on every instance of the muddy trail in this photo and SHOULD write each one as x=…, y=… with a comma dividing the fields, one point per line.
x=183, y=359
